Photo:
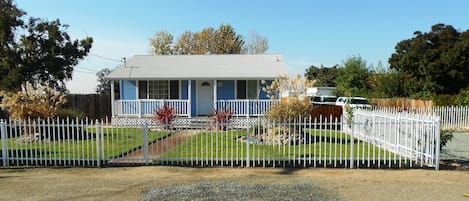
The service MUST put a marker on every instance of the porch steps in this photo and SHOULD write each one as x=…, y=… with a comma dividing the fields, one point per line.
x=200, y=122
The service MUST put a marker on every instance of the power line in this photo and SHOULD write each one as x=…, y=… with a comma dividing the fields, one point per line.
x=86, y=68
x=107, y=58
x=81, y=71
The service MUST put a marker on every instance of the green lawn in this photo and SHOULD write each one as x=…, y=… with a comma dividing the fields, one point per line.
x=324, y=144
x=116, y=141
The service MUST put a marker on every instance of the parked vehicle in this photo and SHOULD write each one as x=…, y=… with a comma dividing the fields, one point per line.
x=353, y=102
x=324, y=100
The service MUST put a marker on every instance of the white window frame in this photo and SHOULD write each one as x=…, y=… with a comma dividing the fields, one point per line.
x=148, y=89
x=247, y=87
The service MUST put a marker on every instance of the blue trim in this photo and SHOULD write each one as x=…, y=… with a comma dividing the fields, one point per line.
x=193, y=98
x=184, y=88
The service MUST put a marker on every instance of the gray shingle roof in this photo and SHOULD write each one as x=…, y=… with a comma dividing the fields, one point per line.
x=195, y=67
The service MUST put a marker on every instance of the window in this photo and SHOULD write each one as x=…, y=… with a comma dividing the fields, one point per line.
x=117, y=90
x=174, y=89
x=142, y=89
x=246, y=89
x=158, y=89
x=252, y=89
x=241, y=89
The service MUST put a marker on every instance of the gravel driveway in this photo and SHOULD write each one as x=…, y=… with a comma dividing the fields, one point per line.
x=165, y=183
x=228, y=190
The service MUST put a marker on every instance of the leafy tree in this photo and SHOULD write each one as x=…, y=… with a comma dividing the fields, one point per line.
x=10, y=22
x=463, y=97
x=227, y=41
x=352, y=78
x=324, y=76
x=223, y=40
x=257, y=44
x=389, y=84
x=161, y=44
x=204, y=41
x=436, y=62
x=44, y=54
x=185, y=43
x=104, y=85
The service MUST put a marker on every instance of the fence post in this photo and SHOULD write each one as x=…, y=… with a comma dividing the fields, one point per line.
x=247, y=147
x=102, y=141
x=145, y=142
x=98, y=143
x=437, y=149
x=352, y=139
x=4, y=142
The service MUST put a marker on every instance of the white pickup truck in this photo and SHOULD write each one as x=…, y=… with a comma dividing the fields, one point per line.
x=353, y=102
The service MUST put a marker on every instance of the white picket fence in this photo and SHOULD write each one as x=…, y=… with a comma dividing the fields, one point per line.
x=408, y=136
x=259, y=142
x=452, y=117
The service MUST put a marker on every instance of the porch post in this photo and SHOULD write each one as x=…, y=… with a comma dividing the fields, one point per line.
x=189, y=104
x=112, y=99
x=214, y=94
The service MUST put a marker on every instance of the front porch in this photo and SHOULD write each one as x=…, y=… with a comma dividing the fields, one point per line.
x=194, y=85
x=146, y=107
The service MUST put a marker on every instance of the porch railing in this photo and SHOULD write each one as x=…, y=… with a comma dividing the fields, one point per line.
x=246, y=107
x=147, y=107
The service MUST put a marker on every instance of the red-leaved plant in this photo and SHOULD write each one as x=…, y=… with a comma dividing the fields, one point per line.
x=164, y=115
x=222, y=117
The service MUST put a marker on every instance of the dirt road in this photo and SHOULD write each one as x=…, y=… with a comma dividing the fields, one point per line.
x=131, y=182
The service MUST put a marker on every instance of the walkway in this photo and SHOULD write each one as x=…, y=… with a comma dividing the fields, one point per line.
x=158, y=148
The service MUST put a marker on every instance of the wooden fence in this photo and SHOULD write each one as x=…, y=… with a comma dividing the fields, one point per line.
x=95, y=106
x=326, y=111
x=401, y=103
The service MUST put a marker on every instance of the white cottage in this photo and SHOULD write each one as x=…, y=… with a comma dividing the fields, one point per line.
x=194, y=84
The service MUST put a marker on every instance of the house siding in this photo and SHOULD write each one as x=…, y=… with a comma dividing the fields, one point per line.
x=128, y=90
x=227, y=91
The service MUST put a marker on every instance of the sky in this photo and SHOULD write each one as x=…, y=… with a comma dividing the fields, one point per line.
x=309, y=32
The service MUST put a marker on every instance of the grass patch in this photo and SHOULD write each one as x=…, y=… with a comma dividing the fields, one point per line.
x=116, y=142
x=320, y=144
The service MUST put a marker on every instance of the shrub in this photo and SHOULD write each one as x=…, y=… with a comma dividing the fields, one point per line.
x=295, y=85
x=444, y=99
x=290, y=108
x=32, y=102
x=164, y=115
x=446, y=135
x=71, y=114
x=222, y=117
x=463, y=97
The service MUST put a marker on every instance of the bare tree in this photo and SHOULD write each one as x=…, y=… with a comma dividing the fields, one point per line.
x=257, y=44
